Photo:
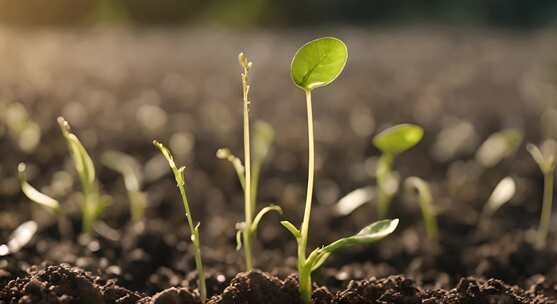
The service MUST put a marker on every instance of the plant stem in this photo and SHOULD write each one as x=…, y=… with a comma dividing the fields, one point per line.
x=383, y=174
x=196, y=244
x=305, y=274
x=546, y=209
x=249, y=208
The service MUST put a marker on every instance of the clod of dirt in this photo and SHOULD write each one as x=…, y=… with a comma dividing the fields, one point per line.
x=257, y=287
x=393, y=289
x=63, y=284
x=175, y=296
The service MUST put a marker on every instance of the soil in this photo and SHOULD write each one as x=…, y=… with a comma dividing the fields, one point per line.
x=121, y=88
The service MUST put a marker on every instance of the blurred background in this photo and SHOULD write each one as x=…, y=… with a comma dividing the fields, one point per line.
x=516, y=14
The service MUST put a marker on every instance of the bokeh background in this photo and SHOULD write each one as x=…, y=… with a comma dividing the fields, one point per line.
x=516, y=14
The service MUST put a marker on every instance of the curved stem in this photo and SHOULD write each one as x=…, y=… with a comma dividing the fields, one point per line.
x=305, y=275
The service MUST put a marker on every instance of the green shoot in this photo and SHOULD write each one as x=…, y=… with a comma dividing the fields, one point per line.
x=316, y=64
x=545, y=158
x=194, y=228
x=129, y=169
x=425, y=199
x=93, y=203
x=502, y=194
x=35, y=195
x=248, y=175
x=498, y=146
x=392, y=142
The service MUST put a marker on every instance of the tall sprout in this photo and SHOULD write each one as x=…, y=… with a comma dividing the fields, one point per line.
x=248, y=175
x=194, y=228
x=316, y=64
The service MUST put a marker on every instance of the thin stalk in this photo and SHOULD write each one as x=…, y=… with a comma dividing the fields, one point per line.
x=546, y=209
x=197, y=247
x=305, y=274
x=249, y=208
x=383, y=174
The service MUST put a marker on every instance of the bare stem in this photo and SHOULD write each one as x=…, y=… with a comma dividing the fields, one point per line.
x=305, y=274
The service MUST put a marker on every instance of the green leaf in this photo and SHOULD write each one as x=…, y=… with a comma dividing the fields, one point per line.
x=82, y=160
x=398, y=139
x=34, y=194
x=321, y=258
x=368, y=235
x=295, y=232
x=318, y=63
x=503, y=193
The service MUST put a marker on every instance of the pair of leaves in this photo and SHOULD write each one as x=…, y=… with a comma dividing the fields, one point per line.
x=370, y=234
x=545, y=155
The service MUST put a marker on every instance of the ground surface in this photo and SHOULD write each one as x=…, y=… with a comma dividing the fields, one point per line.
x=120, y=89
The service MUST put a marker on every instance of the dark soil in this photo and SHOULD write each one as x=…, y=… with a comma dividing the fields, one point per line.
x=121, y=88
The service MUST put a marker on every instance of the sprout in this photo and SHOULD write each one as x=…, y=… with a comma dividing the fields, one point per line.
x=128, y=167
x=425, y=199
x=248, y=176
x=502, y=193
x=93, y=203
x=194, y=229
x=545, y=158
x=392, y=142
x=498, y=146
x=316, y=64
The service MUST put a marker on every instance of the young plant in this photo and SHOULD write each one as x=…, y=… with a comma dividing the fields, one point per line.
x=93, y=203
x=544, y=156
x=44, y=201
x=248, y=176
x=194, y=229
x=392, y=142
x=316, y=64
x=425, y=199
x=130, y=170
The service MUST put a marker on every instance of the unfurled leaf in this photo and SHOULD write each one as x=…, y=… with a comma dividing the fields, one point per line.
x=368, y=235
x=318, y=63
x=398, y=139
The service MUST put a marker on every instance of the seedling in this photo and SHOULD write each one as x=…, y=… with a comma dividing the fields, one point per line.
x=317, y=64
x=194, y=229
x=425, y=199
x=129, y=169
x=248, y=176
x=498, y=146
x=93, y=203
x=44, y=201
x=502, y=194
x=392, y=142
x=544, y=156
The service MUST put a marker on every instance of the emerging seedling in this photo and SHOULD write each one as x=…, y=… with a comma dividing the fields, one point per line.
x=194, y=229
x=128, y=167
x=248, y=176
x=43, y=200
x=425, y=199
x=498, y=146
x=545, y=158
x=93, y=203
x=502, y=194
x=316, y=64
x=392, y=142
